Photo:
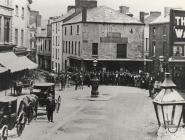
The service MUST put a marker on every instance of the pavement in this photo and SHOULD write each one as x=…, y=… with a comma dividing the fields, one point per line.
x=118, y=113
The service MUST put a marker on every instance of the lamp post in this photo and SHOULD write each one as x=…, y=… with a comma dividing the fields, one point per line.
x=169, y=105
x=95, y=81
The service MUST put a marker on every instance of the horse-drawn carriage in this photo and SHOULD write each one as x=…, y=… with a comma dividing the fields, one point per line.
x=42, y=91
x=10, y=118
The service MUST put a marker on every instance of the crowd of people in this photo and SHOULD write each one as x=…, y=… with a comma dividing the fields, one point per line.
x=115, y=78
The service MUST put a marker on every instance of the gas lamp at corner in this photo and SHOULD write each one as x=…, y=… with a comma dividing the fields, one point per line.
x=169, y=105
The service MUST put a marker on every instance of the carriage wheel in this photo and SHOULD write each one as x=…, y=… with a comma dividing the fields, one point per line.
x=21, y=123
x=57, y=107
x=4, y=134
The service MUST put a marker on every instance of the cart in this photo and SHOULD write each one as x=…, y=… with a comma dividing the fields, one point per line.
x=42, y=90
x=9, y=118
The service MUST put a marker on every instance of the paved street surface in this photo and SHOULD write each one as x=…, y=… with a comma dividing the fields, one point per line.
x=120, y=113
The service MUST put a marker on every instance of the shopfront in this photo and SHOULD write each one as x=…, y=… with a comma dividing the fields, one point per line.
x=177, y=59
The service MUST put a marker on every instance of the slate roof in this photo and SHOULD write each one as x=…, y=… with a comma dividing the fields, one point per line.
x=72, y=11
x=161, y=20
x=150, y=19
x=104, y=14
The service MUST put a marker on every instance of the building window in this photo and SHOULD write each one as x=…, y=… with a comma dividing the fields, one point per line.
x=56, y=53
x=22, y=13
x=78, y=29
x=69, y=47
x=52, y=65
x=16, y=36
x=45, y=44
x=22, y=37
x=94, y=48
x=6, y=30
x=66, y=46
x=49, y=45
x=71, y=30
x=79, y=48
x=0, y=28
x=16, y=10
x=153, y=30
x=56, y=41
x=72, y=47
x=63, y=45
x=164, y=47
x=121, y=50
x=154, y=48
x=65, y=30
x=56, y=27
x=75, y=48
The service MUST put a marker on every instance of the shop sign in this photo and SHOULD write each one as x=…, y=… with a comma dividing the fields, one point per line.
x=177, y=22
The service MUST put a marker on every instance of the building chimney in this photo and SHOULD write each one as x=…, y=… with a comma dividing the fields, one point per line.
x=124, y=9
x=70, y=7
x=166, y=11
x=142, y=17
x=77, y=3
x=84, y=14
x=155, y=13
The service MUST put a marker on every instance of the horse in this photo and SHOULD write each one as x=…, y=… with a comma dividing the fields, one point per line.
x=29, y=105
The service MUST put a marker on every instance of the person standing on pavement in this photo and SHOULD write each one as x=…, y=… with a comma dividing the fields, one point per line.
x=50, y=107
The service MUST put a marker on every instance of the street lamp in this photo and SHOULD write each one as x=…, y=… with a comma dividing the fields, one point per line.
x=95, y=81
x=169, y=105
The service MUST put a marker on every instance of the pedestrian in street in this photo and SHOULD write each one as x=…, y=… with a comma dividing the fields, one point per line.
x=50, y=107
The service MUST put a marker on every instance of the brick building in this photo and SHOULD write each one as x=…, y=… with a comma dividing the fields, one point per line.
x=166, y=40
x=115, y=39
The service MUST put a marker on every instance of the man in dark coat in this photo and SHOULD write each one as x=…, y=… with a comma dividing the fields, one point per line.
x=50, y=107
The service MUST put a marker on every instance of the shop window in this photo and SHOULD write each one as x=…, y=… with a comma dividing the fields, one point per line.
x=178, y=50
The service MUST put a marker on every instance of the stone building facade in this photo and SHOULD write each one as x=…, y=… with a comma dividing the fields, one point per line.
x=6, y=13
x=117, y=43
x=20, y=26
x=43, y=49
x=114, y=38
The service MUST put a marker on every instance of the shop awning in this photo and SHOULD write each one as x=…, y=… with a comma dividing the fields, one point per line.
x=27, y=63
x=3, y=69
x=124, y=60
x=177, y=60
x=10, y=61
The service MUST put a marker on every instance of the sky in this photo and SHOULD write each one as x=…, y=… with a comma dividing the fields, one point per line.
x=49, y=8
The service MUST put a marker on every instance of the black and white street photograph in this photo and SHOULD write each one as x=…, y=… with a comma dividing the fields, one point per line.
x=92, y=70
